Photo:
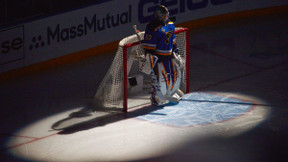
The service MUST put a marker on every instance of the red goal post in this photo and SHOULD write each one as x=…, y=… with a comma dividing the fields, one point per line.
x=116, y=89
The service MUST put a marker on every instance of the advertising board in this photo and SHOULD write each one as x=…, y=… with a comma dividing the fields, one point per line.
x=109, y=21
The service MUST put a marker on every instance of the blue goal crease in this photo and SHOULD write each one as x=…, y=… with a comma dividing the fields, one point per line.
x=210, y=108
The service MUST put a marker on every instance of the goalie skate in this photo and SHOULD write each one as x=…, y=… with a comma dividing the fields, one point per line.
x=176, y=97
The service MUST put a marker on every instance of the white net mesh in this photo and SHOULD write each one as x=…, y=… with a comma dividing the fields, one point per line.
x=111, y=91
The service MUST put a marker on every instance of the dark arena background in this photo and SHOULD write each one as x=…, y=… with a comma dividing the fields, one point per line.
x=236, y=109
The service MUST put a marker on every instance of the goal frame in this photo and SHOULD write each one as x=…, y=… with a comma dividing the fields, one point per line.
x=125, y=78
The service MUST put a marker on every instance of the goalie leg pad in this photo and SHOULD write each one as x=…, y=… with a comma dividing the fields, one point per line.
x=166, y=84
x=176, y=77
x=179, y=60
x=169, y=79
x=146, y=65
x=179, y=93
x=176, y=97
x=157, y=97
x=169, y=76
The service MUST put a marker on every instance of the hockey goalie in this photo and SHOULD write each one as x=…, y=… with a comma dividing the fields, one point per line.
x=162, y=60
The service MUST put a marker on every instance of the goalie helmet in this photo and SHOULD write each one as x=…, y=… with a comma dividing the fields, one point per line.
x=162, y=13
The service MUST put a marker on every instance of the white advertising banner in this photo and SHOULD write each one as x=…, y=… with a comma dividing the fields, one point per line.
x=109, y=21
x=12, y=45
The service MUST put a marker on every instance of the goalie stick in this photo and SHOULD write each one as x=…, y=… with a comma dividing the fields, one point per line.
x=139, y=39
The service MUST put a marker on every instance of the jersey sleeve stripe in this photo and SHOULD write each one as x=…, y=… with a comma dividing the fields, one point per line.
x=149, y=46
x=164, y=51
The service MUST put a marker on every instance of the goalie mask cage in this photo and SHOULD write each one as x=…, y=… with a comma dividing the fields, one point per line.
x=124, y=86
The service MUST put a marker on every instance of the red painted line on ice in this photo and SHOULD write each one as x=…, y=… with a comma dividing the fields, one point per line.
x=36, y=139
x=242, y=76
x=23, y=136
x=260, y=69
x=226, y=57
x=14, y=135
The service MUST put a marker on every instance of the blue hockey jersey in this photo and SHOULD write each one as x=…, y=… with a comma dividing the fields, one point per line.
x=159, y=39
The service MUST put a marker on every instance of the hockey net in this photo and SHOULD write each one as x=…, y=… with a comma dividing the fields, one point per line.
x=124, y=86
